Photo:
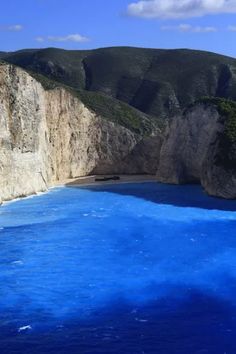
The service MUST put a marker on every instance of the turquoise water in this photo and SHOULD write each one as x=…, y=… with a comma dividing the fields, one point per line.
x=128, y=268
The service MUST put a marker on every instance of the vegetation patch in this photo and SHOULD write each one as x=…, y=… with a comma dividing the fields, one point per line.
x=108, y=107
x=119, y=112
x=47, y=83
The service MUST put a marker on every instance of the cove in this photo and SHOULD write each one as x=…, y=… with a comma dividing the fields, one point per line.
x=125, y=268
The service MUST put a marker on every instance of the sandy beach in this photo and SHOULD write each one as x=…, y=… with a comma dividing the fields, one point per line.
x=90, y=180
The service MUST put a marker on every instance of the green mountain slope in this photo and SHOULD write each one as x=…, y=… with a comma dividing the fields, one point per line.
x=109, y=108
x=157, y=82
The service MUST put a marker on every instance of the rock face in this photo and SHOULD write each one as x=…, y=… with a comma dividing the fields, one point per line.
x=50, y=135
x=23, y=149
x=191, y=151
x=47, y=136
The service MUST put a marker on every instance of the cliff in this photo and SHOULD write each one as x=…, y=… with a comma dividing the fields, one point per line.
x=50, y=135
x=200, y=147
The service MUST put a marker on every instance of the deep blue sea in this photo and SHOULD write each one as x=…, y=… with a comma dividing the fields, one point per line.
x=128, y=269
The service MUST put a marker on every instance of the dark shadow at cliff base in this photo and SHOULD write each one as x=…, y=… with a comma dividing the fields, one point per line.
x=179, y=195
x=201, y=324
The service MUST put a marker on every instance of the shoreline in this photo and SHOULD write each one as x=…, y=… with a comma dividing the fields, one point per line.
x=90, y=180
x=85, y=181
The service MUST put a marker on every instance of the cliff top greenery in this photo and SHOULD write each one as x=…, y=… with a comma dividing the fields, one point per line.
x=108, y=107
x=120, y=112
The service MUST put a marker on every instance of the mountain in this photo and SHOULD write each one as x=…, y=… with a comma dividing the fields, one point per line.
x=157, y=82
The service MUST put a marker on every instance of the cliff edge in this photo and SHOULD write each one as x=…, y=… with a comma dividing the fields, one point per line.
x=50, y=135
x=200, y=147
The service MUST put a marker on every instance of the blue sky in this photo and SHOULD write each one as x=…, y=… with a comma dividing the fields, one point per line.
x=79, y=24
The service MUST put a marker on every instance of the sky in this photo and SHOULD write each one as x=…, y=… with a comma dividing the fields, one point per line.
x=84, y=24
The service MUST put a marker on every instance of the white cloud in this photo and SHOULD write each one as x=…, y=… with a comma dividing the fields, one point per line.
x=68, y=38
x=40, y=39
x=184, y=27
x=175, y=9
x=12, y=28
x=232, y=28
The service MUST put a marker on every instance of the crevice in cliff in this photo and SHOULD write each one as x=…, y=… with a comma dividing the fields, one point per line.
x=88, y=75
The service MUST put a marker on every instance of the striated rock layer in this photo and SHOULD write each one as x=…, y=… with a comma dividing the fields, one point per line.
x=46, y=136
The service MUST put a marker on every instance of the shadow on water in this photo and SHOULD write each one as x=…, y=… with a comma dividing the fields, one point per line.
x=199, y=324
x=177, y=195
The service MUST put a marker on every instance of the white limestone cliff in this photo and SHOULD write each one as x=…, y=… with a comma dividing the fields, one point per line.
x=48, y=136
x=191, y=150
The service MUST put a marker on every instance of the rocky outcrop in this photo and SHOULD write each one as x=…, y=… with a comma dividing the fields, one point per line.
x=219, y=170
x=193, y=152
x=46, y=136
x=80, y=142
x=50, y=135
x=23, y=148
x=144, y=157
